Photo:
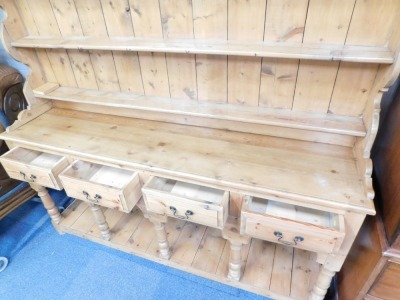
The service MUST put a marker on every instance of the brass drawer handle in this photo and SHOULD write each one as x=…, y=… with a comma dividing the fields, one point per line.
x=185, y=217
x=23, y=175
x=32, y=178
x=296, y=239
x=96, y=198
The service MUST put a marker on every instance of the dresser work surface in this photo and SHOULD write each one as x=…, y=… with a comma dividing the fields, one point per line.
x=229, y=139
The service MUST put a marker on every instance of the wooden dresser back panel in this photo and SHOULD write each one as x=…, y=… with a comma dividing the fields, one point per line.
x=334, y=87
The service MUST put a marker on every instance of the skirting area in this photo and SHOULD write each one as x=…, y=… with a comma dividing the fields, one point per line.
x=268, y=269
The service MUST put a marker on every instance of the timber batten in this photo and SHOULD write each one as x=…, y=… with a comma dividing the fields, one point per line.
x=347, y=53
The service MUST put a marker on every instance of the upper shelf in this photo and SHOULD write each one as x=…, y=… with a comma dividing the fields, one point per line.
x=324, y=52
x=330, y=123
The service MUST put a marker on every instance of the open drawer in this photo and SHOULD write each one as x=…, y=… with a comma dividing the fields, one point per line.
x=292, y=225
x=34, y=166
x=102, y=185
x=195, y=203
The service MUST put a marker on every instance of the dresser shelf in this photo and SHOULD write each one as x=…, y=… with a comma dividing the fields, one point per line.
x=325, y=52
x=329, y=123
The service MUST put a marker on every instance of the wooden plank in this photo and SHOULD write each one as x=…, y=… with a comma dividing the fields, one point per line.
x=93, y=24
x=321, y=176
x=323, y=138
x=282, y=269
x=283, y=118
x=210, y=251
x=118, y=22
x=46, y=24
x=223, y=264
x=289, y=50
x=352, y=88
x=375, y=32
x=126, y=225
x=284, y=22
x=315, y=82
x=25, y=14
x=46, y=88
x=85, y=221
x=177, y=22
x=187, y=244
x=141, y=239
x=146, y=21
x=73, y=212
x=210, y=22
x=258, y=269
x=327, y=22
x=245, y=22
x=302, y=279
x=30, y=27
x=339, y=145
x=381, y=16
x=69, y=25
x=355, y=82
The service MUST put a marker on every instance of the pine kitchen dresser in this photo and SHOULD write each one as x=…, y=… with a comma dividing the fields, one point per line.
x=227, y=138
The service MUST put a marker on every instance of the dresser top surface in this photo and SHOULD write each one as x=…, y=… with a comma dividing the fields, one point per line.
x=317, y=173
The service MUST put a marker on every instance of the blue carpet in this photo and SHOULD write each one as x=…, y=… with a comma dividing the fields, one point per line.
x=45, y=265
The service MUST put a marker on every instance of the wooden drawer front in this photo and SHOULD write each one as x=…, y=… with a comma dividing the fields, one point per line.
x=198, y=204
x=102, y=185
x=286, y=224
x=34, y=166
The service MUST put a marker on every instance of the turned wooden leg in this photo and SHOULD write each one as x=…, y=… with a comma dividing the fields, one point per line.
x=48, y=203
x=163, y=244
x=235, y=261
x=322, y=284
x=101, y=221
x=159, y=225
x=231, y=232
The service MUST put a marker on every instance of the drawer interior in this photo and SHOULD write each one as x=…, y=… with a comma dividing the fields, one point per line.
x=293, y=212
x=34, y=158
x=99, y=174
x=186, y=190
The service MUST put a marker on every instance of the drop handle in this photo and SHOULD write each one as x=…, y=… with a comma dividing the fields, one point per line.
x=185, y=217
x=96, y=198
x=32, y=178
x=23, y=175
x=296, y=239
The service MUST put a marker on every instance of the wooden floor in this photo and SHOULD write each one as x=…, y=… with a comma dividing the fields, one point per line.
x=268, y=269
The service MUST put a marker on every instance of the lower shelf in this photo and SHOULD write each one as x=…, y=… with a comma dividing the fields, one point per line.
x=268, y=269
